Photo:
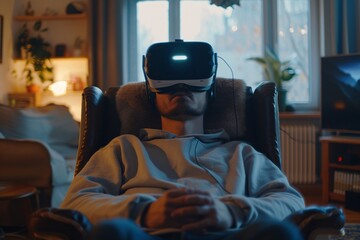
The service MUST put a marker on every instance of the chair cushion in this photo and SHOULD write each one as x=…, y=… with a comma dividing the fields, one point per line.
x=135, y=112
x=227, y=110
x=52, y=124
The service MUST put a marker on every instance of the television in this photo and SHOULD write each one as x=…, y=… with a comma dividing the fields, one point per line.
x=340, y=94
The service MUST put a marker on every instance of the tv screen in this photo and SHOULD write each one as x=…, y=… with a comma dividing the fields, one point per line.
x=340, y=93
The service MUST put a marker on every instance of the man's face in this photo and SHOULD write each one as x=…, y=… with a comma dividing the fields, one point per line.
x=181, y=105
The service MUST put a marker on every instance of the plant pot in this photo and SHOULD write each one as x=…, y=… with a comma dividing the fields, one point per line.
x=32, y=88
x=282, y=99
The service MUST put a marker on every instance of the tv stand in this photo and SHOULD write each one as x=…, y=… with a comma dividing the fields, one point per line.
x=340, y=167
x=340, y=133
x=348, y=134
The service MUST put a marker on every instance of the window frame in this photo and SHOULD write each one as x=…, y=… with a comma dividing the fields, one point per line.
x=270, y=40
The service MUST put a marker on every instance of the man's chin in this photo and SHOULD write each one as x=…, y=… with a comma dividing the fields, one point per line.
x=181, y=99
x=182, y=115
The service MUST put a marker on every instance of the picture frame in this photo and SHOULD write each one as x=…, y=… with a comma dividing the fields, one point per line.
x=1, y=37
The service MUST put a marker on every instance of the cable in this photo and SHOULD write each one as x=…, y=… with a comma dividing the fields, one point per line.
x=233, y=93
x=295, y=139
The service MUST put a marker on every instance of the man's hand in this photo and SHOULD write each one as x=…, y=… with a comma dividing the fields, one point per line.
x=189, y=209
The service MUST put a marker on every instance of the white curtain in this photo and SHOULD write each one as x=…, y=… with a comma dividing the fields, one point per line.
x=107, y=48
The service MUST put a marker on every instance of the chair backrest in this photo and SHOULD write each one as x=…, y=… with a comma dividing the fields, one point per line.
x=246, y=115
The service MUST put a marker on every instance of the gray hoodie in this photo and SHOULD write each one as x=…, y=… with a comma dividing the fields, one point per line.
x=122, y=178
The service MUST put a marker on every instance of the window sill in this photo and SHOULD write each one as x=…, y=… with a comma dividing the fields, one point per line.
x=300, y=115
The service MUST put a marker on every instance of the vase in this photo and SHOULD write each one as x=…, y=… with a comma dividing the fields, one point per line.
x=282, y=99
x=77, y=52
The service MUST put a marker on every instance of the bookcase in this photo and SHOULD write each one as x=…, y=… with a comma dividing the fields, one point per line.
x=340, y=157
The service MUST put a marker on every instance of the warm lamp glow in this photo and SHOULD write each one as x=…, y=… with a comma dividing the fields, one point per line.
x=58, y=88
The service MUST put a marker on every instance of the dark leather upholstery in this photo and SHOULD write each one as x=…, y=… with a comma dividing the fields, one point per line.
x=100, y=123
x=316, y=220
x=52, y=223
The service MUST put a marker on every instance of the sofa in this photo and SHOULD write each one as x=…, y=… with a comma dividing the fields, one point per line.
x=38, y=147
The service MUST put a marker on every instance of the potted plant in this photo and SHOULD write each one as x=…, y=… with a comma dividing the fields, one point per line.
x=277, y=71
x=37, y=57
x=225, y=3
x=22, y=41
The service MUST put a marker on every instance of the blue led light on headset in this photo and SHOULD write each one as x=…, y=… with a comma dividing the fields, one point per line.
x=179, y=57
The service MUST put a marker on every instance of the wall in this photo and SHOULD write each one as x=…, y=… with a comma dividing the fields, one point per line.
x=6, y=9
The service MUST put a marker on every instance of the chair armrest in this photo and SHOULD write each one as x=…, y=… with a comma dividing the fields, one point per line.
x=71, y=224
x=266, y=121
x=313, y=219
x=53, y=223
x=21, y=161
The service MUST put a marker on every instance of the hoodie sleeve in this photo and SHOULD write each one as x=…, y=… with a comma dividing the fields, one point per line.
x=95, y=190
x=268, y=192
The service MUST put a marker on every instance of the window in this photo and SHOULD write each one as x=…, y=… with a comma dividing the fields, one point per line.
x=293, y=44
x=235, y=34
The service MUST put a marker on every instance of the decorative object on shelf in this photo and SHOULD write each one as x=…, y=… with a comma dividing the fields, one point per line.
x=225, y=3
x=29, y=11
x=277, y=71
x=78, y=49
x=60, y=50
x=75, y=7
x=76, y=82
x=50, y=12
x=37, y=59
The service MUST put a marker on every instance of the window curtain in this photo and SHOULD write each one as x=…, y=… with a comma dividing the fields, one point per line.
x=107, y=48
x=341, y=22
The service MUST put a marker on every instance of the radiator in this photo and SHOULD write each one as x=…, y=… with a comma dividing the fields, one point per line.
x=298, y=150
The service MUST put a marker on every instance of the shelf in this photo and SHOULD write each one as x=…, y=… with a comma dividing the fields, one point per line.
x=341, y=177
x=340, y=139
x=55, y=17
x=345, y=167
x=299, y=115
x=58, y=58
x=336, y=197
x=68, y=93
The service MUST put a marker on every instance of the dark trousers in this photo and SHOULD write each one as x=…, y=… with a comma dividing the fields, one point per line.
x=124, y=229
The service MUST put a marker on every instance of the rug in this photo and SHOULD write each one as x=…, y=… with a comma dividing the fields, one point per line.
x=352, y=232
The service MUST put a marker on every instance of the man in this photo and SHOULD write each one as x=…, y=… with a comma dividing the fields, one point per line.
x=182, y=183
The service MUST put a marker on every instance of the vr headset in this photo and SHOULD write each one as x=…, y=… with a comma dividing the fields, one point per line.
x=168, y=66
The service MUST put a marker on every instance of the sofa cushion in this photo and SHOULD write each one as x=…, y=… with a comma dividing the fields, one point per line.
x=52, y=124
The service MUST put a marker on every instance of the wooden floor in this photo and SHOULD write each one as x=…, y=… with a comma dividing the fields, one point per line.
x=312, y=195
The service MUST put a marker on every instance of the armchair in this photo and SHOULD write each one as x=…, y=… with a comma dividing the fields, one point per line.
x=247, y=115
